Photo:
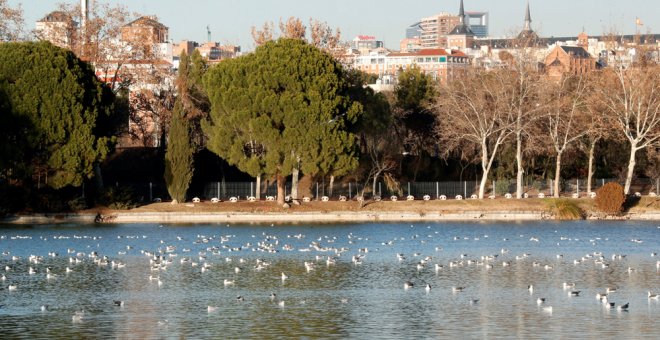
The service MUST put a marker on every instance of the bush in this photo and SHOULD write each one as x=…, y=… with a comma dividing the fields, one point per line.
x=610, y=198
x=565, y=209
x=502, y=187
x=118, y=198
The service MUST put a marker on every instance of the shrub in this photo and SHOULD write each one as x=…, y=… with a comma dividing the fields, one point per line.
x=610, y=198
x=502, y=187
x=565, y=209
x=118, y=198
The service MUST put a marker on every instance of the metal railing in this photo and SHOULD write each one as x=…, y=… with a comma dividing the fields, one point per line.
x=147, y=192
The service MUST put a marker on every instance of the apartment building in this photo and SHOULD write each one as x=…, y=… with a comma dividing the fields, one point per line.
x=442, y=65
x=435, y=29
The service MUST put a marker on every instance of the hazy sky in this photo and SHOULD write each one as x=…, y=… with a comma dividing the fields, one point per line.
x=230, y=20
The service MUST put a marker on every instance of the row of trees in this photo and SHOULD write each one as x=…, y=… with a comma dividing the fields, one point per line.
x=290, y=108
x=548, y=116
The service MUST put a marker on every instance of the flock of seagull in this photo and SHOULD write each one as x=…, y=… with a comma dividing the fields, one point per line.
x=325, y=253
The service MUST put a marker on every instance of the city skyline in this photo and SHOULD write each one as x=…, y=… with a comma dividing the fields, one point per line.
x=377, y=18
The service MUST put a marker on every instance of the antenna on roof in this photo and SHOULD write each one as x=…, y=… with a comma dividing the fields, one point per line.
x=208, y=33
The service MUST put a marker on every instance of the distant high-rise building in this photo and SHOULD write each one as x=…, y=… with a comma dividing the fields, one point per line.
x=478, y=22
x=414, y=31
x=436, y=28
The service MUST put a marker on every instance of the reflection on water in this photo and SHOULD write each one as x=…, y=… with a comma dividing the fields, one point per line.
x=171, y=280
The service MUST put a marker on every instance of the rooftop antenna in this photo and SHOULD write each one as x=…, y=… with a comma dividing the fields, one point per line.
x=208, y=33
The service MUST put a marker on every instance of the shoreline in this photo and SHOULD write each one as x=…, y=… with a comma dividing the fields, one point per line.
x=298, y=217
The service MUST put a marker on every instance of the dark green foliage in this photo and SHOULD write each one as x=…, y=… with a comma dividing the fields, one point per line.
x=415, y=90
x=285, y=102
x=610, y=198
x=179, y=155
x=192, y=95
x=54, y=104
x=415, y=93
x=119, y=198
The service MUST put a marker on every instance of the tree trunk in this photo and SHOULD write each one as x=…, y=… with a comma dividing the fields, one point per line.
x=281, y=189
x=294, y=182
x=631, y=167
x=590, y=174
x=557, y=174
x=482, y=185
x=373, y=185
x=332, y=183
x=485, y=167
x=257, y=191
x=521, y=171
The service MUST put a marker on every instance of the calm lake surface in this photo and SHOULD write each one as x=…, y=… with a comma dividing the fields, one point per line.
x=171, y=280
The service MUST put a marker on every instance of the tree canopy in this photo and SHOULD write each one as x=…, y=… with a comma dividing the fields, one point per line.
x=55, y=103
x=285, y=103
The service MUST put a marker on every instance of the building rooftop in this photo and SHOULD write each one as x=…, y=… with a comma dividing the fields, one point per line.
x=56, y=16
x=146, y=21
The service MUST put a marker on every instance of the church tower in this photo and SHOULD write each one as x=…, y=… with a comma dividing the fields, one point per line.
x=461, y=37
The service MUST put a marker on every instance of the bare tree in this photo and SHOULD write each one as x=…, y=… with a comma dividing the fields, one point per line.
x=11, y=22
x=320, y=35
x=120, y=61
x=599, y=128
x=632, y=98
x=263, y=35
x=566, y=120
x=293, y=28
x=522, y=104
x=473, y=109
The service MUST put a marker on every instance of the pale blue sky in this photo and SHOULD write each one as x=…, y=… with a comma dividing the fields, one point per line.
x=230, y=20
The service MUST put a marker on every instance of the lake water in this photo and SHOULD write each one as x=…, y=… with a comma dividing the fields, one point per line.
x=182, y=294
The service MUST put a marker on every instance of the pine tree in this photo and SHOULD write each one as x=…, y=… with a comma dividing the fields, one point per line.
x=284, y=104
x=179, y=155
x=55, y=109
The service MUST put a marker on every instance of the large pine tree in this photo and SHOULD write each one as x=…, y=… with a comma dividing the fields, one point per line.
x=284, y=104
x=53, y=110
x=179, y=155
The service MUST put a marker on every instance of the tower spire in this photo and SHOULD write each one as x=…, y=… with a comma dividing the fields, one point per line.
x=461, y=13
x=528, y=18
